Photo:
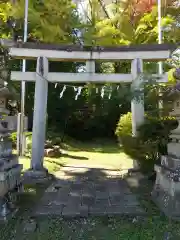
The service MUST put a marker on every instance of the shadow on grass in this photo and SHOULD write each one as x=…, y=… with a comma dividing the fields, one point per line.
x=100, y=147
x=66, y=155
x=57, y=164
x=95, y=145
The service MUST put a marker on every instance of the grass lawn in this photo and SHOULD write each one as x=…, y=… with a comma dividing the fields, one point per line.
x=101, y=228
x=96, y=156
x=100, y=155
x=51, y=164
x=96, y=228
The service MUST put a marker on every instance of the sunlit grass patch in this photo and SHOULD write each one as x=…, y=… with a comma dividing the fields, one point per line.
x=52, y=164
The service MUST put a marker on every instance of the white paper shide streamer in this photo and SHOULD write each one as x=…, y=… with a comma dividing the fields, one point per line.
x=62, y=92
x=78, y=90
x=110, y=93
x=102, y=91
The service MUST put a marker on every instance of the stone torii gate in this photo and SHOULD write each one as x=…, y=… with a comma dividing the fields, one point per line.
x=45, y=52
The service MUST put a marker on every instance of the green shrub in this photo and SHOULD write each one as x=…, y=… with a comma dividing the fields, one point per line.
x=157, y=130
x=29, y=142
x=13, y=137
x=144, y=152
x=124, y=126
x=151, y=141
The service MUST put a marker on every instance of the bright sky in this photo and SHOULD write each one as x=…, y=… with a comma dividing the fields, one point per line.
x=82, y=4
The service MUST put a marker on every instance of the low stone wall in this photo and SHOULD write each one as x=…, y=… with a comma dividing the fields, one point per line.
x=10, y=169
x=166, y=192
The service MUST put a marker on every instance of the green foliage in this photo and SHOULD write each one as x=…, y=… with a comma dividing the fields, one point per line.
x=29, y=142
x=28, y=135
x=49, y=20
x=5, y=9
x=13, y=137
x=122, y=25
x=124, y=126
x=151, y=141
x=171, y=79
x=54, y=21
x=5, y=73
x=4, y=65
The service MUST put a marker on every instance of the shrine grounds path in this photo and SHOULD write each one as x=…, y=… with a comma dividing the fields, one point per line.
x=87, y=170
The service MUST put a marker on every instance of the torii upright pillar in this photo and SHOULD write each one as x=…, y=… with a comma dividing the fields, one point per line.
x=39, y=119
x=40, y=112
x=137, y=105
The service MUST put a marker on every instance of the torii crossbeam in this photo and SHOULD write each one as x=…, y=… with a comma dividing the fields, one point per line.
x=54, y=52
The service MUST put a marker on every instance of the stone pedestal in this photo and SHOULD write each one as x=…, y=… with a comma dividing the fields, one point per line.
x=32, y=176
x=10, y=170
x=166, y=192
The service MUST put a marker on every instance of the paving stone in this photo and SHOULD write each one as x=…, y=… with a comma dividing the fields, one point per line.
x=51, y=189
x=124, y=189
x=49, y=210
x=112, y=183
x=61, y=183
x=97, y=210
x=118, y=210
x=130, y=199
x=102, y=195
x=75, y=194
x=88, y=194
x=70, y=211
x=74, y=201
x=103, y=202
x=64, y=191
x=122, y=183
x=92, y=194
x=100, y=187
x=113, y=210
x=57, y=203
x=48, y=197
x=76, y=187
x=84, y=210
x=118, y=187
x=116, y=199
x=113, y=187
x=127, y=200
x=114, y=194
x=87, y=200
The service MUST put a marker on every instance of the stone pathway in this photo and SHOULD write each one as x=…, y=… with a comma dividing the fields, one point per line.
x=80, y=192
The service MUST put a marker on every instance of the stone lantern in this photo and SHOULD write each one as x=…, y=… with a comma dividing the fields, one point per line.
x=166, y=192
x=10, y=170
